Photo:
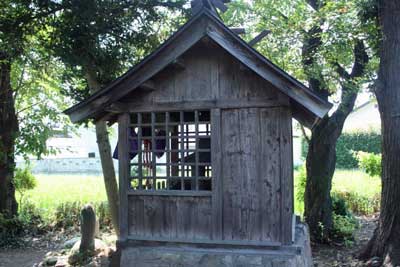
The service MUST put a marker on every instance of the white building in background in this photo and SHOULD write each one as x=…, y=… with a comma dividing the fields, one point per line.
x=76, y=153
x=81, y=144
x=365, y=117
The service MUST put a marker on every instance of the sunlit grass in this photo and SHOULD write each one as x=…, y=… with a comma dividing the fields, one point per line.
x=52, y=190
x=353, y=181
x=356, y=181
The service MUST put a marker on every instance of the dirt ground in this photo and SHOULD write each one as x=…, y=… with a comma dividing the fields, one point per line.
x=324, y=256
x=342, y=256
x=33, y=250
x=21, y=257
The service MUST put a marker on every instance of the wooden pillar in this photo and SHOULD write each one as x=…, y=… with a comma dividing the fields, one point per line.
x=174, y=155
x=216, y=184
x=124, y=173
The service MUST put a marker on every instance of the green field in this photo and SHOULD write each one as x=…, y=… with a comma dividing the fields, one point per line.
x=356, y=181
x=53, y=190
x=360, y=191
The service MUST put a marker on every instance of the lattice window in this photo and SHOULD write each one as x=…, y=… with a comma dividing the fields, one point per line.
x=171, y=151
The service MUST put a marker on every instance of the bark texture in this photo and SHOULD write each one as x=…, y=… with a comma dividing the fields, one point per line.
x=103, y=142
x=386, y=242
x=321, y=157
x=8, y=133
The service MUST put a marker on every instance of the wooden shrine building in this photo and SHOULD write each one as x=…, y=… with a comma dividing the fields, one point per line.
x=205, y=151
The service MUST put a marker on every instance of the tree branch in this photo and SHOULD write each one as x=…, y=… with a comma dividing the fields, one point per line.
x=28, y=107
x=341, y=71
x=303, y=131
x=316, y=4
x=361, y=59
x=349, y=94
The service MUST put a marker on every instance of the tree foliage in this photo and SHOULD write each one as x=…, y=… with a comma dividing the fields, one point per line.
x=106, y=37
x=37, y=82
x=371, y=163
x=289, y=21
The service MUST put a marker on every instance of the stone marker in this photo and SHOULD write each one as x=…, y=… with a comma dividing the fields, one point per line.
x=88, y=228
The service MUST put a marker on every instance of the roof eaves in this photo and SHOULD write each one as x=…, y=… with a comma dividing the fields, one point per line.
x=138, y=65
x=276, y=68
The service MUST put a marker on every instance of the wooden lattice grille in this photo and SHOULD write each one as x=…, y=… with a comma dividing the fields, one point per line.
x=171, y=150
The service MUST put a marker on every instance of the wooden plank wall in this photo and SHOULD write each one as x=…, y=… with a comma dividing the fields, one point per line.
x=252, y=164
x=256, y=172
x=170, y=217
x=210, y=74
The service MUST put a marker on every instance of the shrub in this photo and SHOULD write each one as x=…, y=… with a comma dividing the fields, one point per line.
x=371, y=163
x=68, y=214
x=344, y=223
x=10, y=230
x=357, y=141
x=339, y=206
x=344, y=227
x=359, y=204
x=24, y=181
x=348, y=143
x=300, y=188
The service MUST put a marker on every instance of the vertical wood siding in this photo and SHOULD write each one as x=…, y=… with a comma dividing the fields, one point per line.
x=252, y=196
x=256, y=173
x=170, y=217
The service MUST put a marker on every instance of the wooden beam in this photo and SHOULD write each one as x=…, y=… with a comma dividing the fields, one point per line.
x=238, y=30
x=192, y=105
x=259, y=37
x=178, y=64
x=207, y=242
x=124, y=173
x=148, y=86
x=170, y=193
x=196, y=6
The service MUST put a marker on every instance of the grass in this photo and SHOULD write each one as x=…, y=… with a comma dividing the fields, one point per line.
x=355, y=185
x=53, y=190
x=356, y=181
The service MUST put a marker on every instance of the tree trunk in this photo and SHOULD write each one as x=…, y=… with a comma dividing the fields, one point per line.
x=386, y=242
x=320, y=165
x=321, y=156
x=107, y=165
x=103, y=142
x=8, y=133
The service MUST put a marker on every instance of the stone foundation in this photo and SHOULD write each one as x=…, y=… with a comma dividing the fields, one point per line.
x=296, y=255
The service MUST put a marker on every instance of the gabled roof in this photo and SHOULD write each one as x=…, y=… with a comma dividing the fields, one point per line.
x=308, y=106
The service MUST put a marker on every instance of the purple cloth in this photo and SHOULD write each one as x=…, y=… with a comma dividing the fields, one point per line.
x=160, y=144
x=133, y=144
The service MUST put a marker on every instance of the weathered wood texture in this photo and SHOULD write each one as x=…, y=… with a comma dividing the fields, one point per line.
x=172, y=217
x=252, y=197
x=124, y=173
x=256, y=173
x=252, y=188
x=211, y=76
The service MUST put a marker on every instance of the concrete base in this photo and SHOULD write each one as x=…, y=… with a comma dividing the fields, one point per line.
x=296, y=255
